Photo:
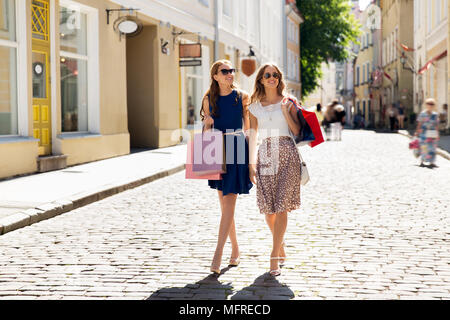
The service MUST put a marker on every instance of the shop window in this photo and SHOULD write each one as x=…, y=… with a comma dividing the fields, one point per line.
x=74, y=65
x=8, y=69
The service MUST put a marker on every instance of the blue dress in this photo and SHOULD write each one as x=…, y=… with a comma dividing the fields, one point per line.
x=229, y=117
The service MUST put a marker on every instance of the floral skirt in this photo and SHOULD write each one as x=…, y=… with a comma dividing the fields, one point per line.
x=428, y=148
x=278, y=175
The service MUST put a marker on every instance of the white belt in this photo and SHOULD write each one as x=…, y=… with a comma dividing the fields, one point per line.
x=234, y=133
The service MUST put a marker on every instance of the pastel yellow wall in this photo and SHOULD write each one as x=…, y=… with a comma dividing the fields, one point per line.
x=18, y=158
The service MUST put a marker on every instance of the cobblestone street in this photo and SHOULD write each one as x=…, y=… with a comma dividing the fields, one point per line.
x=373, y=225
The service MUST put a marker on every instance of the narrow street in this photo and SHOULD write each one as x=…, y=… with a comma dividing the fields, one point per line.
x=373, y=225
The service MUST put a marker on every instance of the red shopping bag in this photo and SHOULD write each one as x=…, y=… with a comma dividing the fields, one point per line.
x=190, y=174
x=312, y=124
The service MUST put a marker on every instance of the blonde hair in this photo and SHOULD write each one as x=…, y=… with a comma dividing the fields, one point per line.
x=214, y=90
x=259, y=91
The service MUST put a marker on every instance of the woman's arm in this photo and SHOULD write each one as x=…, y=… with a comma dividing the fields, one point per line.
x=418, y=129
x=208, y=121
x=252, y=146
x=290, y=114
x=245, y=112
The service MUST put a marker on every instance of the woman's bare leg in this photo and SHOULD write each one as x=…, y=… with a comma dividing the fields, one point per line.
x=270, y=219
x=278, y=235
x=232, y=234
x=228, y=205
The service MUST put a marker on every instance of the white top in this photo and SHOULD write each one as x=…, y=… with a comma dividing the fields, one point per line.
x=271, y=121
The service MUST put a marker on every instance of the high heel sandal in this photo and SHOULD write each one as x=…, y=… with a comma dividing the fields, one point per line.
x=214, y=269
x=276, y=272
x=234, y=262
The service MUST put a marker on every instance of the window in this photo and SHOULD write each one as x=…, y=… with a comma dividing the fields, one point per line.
x=194, y=93
x=392, y=47
x=204, y=2
x=368, y=71
x=364, y=73
x=226, y=7
x=296, y=34
x=431, y=77
x=430, y=12
x=8, y=69
x=438, y=11
x=357, y=75
x=79, y=92
x=243, y=12
x=396, y=43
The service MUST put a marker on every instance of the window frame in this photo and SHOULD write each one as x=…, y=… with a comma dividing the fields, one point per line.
x=92, y=59
x=20, y=44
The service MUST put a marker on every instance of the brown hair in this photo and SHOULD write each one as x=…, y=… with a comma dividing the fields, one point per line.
x=259, y=92
x=214, y=90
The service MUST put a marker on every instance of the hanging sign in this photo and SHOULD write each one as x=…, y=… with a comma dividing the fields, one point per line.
x=190, y=63
x=190, y=50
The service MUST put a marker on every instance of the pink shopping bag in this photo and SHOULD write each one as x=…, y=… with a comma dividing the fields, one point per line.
x=190, y=174
x=209, y=153
x=414, y=144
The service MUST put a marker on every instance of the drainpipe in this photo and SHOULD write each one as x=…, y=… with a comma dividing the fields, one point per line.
x=284, y=35
x=216, y=27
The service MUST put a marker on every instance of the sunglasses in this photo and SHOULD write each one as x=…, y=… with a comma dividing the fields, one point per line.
x=267, y=75
x=227, y=71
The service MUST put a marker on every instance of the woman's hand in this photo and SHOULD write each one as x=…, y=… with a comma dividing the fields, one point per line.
x=252, y=173
x=208, y=122
x=286, y=106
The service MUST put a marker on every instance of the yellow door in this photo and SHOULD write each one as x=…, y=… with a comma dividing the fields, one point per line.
x=41, y=74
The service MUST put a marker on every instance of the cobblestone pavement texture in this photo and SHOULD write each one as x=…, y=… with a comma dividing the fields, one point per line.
x=373, y=225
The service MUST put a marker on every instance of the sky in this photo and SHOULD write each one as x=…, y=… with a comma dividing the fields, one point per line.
x=364, y=3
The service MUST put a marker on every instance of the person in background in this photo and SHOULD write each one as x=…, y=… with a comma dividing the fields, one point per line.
x=443, y=116
x=392, y=114
x=401, y=116
x=428, y=132
x=340, y=120
x=319, y=113
x=329, y=118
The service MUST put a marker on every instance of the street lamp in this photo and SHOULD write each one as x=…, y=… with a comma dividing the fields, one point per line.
x=403, y=60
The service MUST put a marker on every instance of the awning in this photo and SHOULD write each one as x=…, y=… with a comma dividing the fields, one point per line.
x=429, y=63
x=387, y=76
x=406, y=48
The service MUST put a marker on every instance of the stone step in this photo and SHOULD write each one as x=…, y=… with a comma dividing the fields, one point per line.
x=51, y=162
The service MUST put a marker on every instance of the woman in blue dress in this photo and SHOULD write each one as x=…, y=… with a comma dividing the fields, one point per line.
x=428, y=132
x=225, y=108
